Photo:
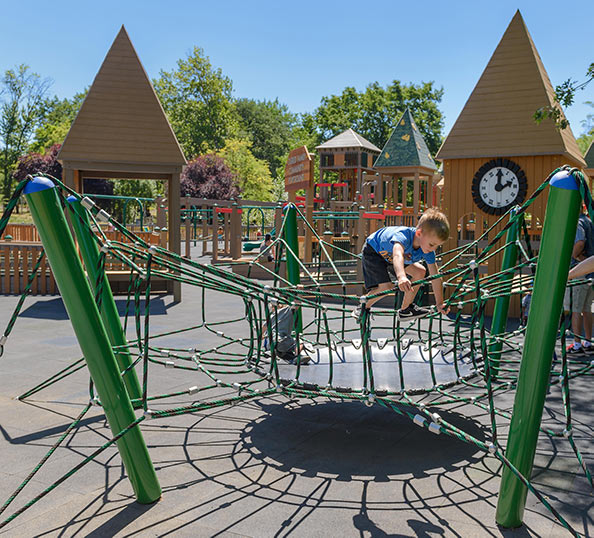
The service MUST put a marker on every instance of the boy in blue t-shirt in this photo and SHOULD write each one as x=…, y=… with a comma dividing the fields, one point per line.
x=399, y=251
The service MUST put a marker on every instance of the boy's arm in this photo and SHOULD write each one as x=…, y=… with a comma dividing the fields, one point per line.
x=582, y=268
x=437, y=285
x=398, y=263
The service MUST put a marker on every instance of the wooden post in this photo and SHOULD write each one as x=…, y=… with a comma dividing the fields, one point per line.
x=308, y=251
x=235, y=231
x=215, y=234
x=174, y=225
x=379, y=189
x=278, y=219
x=416, y=195
x=204, y=217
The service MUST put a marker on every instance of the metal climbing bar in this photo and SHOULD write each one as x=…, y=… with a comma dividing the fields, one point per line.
x=543, y=322
x=78, y=299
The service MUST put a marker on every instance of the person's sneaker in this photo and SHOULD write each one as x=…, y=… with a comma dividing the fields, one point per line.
x=575, y=349
x=413, y=312
x=588, y=349
x=356, y=313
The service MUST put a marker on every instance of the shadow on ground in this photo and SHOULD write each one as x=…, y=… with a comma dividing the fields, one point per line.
x=54, y=308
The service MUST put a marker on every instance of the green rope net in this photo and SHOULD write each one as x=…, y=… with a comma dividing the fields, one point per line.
x=415, y=369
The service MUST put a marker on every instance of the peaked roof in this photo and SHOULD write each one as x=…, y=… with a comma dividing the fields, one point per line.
x=121, y=119
x=406, y=147
x=497, y=120
x=348, y=139
x=589, y=156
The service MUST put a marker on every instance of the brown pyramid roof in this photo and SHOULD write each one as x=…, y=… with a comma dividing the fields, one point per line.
x=497, y=120
x=121, y=120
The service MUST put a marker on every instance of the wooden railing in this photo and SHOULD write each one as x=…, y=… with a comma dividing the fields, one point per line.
x=19, y=255
x=17, y=261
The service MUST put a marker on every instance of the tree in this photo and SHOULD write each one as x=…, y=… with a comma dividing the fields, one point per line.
x=197, y=99
x=22, y=95
x=585, y=139
x=374, y=112
x=255, y=181
x=269, y=126
x=209, y=177
x=37, y=163
x=564, y=97
x=141, y=188
x=58, y=115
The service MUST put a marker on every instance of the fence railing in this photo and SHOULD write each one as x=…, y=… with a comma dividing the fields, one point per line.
x=17, y=261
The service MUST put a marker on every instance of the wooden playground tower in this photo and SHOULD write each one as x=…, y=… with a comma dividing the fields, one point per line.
x=496, y=129
x=121, y=131
x=347, y=157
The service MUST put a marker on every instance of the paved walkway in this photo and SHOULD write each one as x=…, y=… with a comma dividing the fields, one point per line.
x=266, y=468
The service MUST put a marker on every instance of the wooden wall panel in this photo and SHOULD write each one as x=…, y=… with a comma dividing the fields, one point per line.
x=458, y=202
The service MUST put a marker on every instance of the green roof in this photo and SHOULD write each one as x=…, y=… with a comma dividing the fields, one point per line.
x=405, y=147
x=589, y=156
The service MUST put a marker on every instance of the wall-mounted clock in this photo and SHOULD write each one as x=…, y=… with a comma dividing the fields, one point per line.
x=498, y=185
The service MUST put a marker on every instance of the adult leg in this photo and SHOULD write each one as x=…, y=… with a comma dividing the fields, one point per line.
x=576, y=326
x=416, y=271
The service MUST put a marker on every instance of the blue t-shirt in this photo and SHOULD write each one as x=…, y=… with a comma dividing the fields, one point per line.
x=384, y=239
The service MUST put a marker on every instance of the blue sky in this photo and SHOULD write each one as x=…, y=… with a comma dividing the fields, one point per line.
x=302, y=51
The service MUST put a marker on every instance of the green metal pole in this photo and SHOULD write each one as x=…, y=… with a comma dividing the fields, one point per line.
x=501, y=308
x=109, y=312
x=293, y=269
x=79, y=302
x=543, y=322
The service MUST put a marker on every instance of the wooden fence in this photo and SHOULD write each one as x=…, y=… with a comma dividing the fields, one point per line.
x=19, y=256
x=17, y=261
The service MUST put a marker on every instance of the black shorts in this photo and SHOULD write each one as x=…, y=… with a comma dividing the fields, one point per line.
x=376, y=270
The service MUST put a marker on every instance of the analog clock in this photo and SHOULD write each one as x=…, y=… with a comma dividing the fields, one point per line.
x=498, y=185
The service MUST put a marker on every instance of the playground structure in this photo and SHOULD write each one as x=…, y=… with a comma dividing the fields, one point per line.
x=414, y=369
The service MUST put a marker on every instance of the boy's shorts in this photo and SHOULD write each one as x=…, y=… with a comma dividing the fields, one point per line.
x=376, y=270
x=578, y=298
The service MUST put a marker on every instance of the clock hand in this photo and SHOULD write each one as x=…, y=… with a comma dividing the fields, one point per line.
x=508, y=184
x=499, y=185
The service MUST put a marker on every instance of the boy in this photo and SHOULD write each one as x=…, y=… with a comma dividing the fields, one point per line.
x=399, y=250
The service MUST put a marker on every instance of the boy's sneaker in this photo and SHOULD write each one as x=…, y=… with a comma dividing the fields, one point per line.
x=575, y=349
x=413, y=312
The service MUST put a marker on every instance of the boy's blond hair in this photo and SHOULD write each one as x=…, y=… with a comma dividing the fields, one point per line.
x=433, y=220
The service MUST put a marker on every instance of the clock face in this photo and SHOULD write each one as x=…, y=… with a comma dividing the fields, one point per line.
x=499, y=185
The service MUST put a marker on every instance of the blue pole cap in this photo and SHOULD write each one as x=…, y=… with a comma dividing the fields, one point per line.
x=71, y=199
x=564, y=180
x=37, y=184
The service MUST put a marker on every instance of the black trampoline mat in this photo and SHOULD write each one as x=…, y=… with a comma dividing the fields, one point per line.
x=416, y=367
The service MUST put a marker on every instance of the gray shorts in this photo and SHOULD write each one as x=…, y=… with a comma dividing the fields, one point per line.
x=578, y=298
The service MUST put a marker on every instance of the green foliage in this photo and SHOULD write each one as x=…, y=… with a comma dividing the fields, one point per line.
x=374, y=112
x=197, y=100
x=585, y=139
x=22, y=98
x=255, y=181
x=269, y=125
x=58, y=115
x=564, y=97
x=142, y=188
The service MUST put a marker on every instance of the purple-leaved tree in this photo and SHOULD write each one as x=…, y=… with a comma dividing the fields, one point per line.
x=35, y=163
x=209, y=176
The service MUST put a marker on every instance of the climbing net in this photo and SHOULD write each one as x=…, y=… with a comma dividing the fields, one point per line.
x=414, y=368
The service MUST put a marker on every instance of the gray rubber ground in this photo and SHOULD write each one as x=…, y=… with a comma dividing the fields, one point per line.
x=266, y=468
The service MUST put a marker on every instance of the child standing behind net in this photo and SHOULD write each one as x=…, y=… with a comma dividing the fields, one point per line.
x=399, y=251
